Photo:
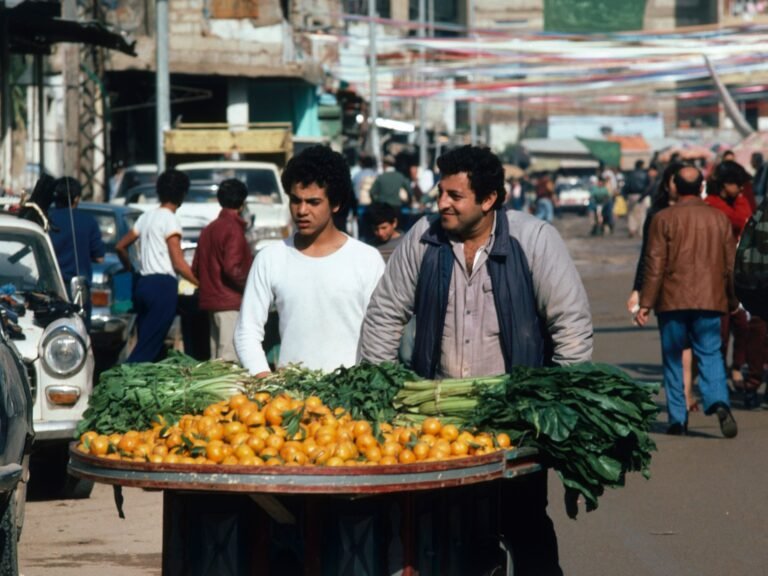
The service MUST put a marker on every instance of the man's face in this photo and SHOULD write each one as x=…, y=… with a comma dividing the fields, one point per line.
x=460, y=213
x=384, y=231
x=731, y=190
x=310, y=209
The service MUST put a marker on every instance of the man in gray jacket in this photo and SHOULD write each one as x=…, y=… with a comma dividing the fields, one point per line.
x=489, y=290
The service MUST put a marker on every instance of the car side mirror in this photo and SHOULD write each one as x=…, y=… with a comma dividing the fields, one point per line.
x=78, y=288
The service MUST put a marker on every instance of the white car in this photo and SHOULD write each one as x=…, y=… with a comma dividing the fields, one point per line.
x=573, y=195
x=267, y=202
x=55, y=347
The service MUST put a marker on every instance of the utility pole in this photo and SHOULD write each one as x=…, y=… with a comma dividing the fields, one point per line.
x=5, y=103
x=163, y=81
x=71, y=52
x=423, y=145
x=373, y=129
x=472, y=103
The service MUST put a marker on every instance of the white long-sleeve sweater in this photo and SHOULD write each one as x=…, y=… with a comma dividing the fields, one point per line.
x=321, y=303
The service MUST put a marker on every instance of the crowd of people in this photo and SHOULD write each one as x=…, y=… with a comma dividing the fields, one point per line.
x=491, y=283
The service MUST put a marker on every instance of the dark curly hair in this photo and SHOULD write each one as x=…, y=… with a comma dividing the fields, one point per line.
x=172, y=186
x=483, y=168
x=322, y=166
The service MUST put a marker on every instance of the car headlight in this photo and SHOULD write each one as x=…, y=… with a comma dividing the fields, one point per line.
x=63, y=351
x=271, y=233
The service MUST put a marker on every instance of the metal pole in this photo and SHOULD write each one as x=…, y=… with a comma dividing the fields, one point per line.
x=163, y=81
x=422, y=103
x=5, y=102
x=472, y=103
x=40, y=111
x=375, y=146
x=71, y=163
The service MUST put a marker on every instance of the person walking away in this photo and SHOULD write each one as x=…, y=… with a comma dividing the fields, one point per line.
x=156, y=293
x=545, y=198
x=635, y=190
x=364, y=179
x=320, y=279
x=385, y=223
x=76, y=238
x=748, y=332
x=222, y=261
x=689, y=283
x=760, y=180
x=665, y=196
x=391, y=187
x=599, y=197
x=488, y=287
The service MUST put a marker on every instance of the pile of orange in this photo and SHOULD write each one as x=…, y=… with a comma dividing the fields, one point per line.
x=282, y=430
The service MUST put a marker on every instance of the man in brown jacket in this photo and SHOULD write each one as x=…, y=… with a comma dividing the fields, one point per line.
x=689, y=283
x=222, y=262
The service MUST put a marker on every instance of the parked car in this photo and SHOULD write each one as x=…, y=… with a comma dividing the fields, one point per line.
x=113, y=322
x=54, y=346
x=200, y=207
x=267, y=202
x=573, y=195
x=133, y=176
x=16, y=436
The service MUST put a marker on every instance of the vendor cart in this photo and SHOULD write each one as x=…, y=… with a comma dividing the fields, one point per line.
x=430, y=518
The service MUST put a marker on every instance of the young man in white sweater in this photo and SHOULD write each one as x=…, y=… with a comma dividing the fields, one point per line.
x=320, y=280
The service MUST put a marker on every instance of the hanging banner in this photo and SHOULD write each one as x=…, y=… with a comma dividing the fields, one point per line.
x=586, y=16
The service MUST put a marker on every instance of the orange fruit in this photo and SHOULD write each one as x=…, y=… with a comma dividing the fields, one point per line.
x=86, y=437
x=421, y=450
x=361, y=428
x=128, y=443
x=388, y=460
x=275, y=441
x=255, y=443
x=238, y=400
x=273, y=414
x=373, y=454
x=391, y=449
x=406, y=457
x=503, y=440
x=431, y=426
x=450, y=432
x=334, y=461
x=365, y=441
x=214, y=451
x=459, y=448
x=99, y=445
x=255, y=418
x=215, y=432
x=244, y=451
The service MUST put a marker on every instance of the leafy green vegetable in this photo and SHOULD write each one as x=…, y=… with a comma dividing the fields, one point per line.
x=132, y=396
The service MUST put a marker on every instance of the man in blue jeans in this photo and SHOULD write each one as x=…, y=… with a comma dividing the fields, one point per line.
x=689, y=283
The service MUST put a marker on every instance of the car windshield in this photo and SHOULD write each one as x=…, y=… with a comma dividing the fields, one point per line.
x=26, y=262
x=133, y=179
x=261, y=182
x=196, y=194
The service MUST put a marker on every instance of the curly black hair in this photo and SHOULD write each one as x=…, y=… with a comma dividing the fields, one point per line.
x=322, y=166
x=483, y=168
x=172, y=186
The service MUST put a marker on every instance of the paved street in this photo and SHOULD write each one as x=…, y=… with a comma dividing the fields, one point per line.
x=702, y=513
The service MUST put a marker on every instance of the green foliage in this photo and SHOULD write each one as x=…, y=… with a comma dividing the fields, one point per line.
x=132, y=396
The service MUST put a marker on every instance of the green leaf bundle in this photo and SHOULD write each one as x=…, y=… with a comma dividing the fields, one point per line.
x=132, y=396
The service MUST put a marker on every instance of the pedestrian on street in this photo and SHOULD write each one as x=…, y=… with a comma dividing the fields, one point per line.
x=76, y=237
x=222, y=261
x=689, y=283
x=545, y=198
x=156, y=293
x=391, y=187
x=748, y=331
x=385, y=228
x=664, y=197
x=490, y=289
x=635, y=191
x=320, y=279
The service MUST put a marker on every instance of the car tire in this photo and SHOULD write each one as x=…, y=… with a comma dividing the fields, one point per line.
x=20, y=497
x=9, y=552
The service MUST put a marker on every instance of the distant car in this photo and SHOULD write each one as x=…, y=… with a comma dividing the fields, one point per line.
x=133, y=176
x=55, y=348
x=112, y=319
x=573, y=195
x=267, y=202
x=15, y=444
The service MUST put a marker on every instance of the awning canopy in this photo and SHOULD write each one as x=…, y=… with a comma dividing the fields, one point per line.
x=34, y=26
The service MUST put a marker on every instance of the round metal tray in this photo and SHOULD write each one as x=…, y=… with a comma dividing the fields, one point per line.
x=306, y=479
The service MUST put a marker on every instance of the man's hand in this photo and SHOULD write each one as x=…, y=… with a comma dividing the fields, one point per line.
x=634, y=300
x=642, y=316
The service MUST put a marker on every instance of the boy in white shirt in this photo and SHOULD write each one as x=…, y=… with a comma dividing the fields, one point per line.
x=320, y=280
x=156, y=293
